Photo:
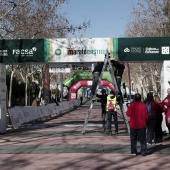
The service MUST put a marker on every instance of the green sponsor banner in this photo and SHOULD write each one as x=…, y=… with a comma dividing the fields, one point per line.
x=47, y=49
x=21, y=50
x=84, y=76
x=76, y=77
x=144, y=49
x=114, y=51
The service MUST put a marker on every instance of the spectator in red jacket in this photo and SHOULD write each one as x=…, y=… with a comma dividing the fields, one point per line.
x=159, y=118
x=138, y=114
x=166, y=103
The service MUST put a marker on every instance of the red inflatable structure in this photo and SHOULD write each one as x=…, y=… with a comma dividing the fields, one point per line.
x=86, y=83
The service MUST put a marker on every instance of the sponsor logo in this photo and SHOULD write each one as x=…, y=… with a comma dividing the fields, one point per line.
x=78, y=85
x=79, y=68
x=149, y=50
x=71, y=51
x=3, y=53
x=136, y=50
x=165, y=50
x=126, y=50
x=58, y=52
x=89, y=83
x=73, y=95
x=59, y=70
x=28, y=52
x=133, y=50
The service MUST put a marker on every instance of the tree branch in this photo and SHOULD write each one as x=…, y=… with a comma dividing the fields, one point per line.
x=14, y=5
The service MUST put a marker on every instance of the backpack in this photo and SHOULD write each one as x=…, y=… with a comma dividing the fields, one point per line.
x=111, y=107
x=148, y=105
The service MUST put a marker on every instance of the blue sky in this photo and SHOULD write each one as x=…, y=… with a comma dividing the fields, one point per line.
x=108, y=17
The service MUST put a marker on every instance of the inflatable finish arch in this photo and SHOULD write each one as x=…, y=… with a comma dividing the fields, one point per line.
x=84, y=76
x=85, y=83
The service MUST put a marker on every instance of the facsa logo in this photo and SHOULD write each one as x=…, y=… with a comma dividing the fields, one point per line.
x=126, y=50
x=24, y=51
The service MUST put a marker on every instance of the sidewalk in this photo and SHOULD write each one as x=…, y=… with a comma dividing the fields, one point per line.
x=59, y=144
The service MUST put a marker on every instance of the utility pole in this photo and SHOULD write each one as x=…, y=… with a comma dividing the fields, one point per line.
x=129, y=81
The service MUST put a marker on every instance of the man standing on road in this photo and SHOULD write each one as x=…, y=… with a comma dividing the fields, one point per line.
x=138, y=114
x=103, y=100
x=111, y=112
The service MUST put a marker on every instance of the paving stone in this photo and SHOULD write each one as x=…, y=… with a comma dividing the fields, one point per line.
x=59, y=144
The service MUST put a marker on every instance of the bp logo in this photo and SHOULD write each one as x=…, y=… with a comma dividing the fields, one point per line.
x=58, y=52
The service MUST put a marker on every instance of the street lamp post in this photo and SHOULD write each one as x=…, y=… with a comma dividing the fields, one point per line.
x=132, y=85
x=19, y=83
x=30, y=92
x=142, y=93
x=158, y=87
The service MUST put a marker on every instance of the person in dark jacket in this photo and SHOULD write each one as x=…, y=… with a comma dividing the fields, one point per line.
x=138, y=114
x=103, y=100
x=159, y=118
x=119, y=69
x=152, y=118
x=96, y=74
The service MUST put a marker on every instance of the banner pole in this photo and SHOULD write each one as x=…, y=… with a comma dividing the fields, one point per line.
x=129, y=81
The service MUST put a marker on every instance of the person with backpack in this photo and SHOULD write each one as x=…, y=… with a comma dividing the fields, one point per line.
x=166, y=108
x=103, y=100
x=152, y=112
x=111, y=112
x=138, y=113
